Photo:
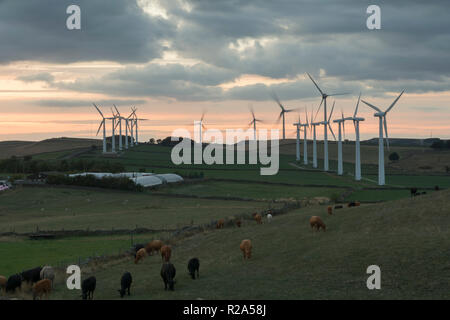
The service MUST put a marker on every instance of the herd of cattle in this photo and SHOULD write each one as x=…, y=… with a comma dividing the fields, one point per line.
x=41, y=278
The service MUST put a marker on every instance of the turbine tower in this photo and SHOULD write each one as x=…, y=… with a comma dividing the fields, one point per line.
x=282, y=113
x=356, y=121
x=131, y=119
x=341, y=122
x=102, y=124
x=305, y=141
x=325, y=131
x=382, y=122
x=136, y=119
x=253, y=122
x=297, y=149
x=313, y=129
x=118, y=124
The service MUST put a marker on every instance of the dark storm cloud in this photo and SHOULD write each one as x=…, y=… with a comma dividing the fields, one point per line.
x=86, y=103
x=115, y=30
x=276, y=39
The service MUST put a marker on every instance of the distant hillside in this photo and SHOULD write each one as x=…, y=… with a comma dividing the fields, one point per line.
x=24, y=148
x=404, y=142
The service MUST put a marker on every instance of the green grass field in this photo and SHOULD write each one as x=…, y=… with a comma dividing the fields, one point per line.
x=408, y=239
x=26, y=209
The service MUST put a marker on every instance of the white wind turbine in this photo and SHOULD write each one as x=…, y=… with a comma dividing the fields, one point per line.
x=325, y=131
x=341, y=122
x=102, y=124
x=136, y=119
x=130, y=118
x=118, y=124
x=282, y=113
x=253, y=122
x=382, y=123
x=356, y=121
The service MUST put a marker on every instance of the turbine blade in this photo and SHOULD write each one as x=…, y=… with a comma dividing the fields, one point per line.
x=331, y=113
x=372, y=106
x=307, y=121
x=357, y=105
x=318, y=109
x=385, y=131
x=98, y=110
x=101, y=123
x=337, y=94
x=395, y=101
x=279, y=118
x=116, y=109
x=275, y=98
x=315, y=83
x=331, y=130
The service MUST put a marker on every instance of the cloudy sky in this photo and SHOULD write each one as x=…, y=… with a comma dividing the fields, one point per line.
x=174, y=59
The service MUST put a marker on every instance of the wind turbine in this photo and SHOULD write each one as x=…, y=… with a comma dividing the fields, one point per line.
x=356, y=121
x=253, y=122
x=136, y=119
x=282, y=113
x=382, y=122
x=131, y=119
x=102, y=124
x=119, y=123
x=201, y=126
x=340, y=162
x=305, y=141
x=325, y=131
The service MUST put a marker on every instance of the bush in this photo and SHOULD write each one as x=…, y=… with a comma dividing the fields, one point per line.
x=394, y=156
x=121, y=183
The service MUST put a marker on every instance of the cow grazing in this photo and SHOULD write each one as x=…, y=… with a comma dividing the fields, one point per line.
x=330, y=210
x=137, y=247
x=154, y=246
x=14, y=282
x=413, y=192
x=436, y=188
x=166, y=252
x=42, y=287
x=258, y=218
x=246, y=248
x=220, y=224
x=316, y=222
x=88, y=288
x=238, y=223
x=354, y=204
x=168, y=273
x=125, y=284
x=194, y=266
x=48, y=272
x=140, y=255
x=338, y=207
x=269, y=218
x=32, y=275
x=3, y=282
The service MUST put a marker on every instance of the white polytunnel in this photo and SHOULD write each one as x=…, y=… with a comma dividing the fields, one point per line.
x=169, y=177
x=140, y=178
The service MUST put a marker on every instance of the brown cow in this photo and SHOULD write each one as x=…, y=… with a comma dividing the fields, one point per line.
x=166, y=252
x=238, y=223
x=316, y=222
x=42, y=287
x=330, y=210
x=258, y=218
x=220, y=224
x=246, y=248
x=154, y=245
x=140, y=255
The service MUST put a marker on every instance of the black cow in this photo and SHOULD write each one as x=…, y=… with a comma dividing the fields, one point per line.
x=88, y=288
x=413, y=192
x=14, y=282
x=338, y=207
x=32, y=275
x=168, y=273
x=436, y=188
x=193, y=266
x=125, y=284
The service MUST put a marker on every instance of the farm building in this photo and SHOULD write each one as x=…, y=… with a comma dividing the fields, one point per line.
x=140, y=178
